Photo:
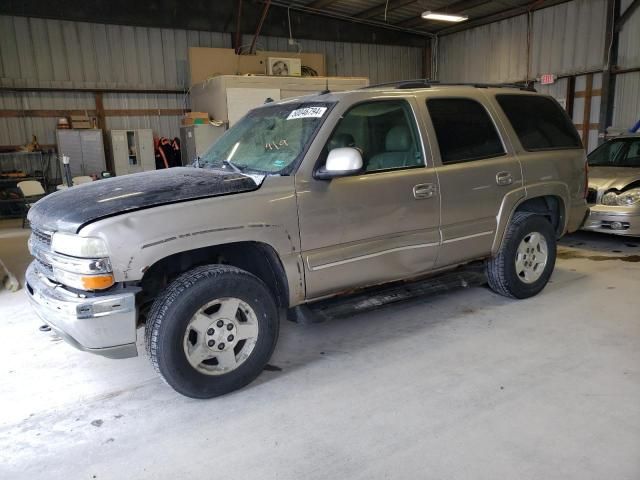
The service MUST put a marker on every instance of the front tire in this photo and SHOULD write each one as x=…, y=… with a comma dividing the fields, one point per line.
x=526, y=259
x=212, y=331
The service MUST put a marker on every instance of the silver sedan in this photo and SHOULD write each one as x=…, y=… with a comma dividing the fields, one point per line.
x=614, y=187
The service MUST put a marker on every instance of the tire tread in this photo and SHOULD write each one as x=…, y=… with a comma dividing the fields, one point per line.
x=495, y=267
x=157, y=313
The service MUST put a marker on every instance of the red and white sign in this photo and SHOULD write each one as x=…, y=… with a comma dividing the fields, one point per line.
x=547, y=79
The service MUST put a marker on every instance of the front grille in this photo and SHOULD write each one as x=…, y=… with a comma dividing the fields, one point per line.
x=42, y=238
x=592, y=195
x=44, y=268
x=41, y=242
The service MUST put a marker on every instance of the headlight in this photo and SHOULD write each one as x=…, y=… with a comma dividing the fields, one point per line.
x=80, y=262
x=77, y=246
x=628, y=198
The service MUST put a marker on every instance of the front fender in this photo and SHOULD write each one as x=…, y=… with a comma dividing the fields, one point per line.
x=138, y=240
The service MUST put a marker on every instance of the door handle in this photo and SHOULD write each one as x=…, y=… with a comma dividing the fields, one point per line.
x=424, y=190
x=504, y=178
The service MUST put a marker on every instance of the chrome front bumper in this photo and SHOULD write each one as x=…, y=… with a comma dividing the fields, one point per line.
x=611, y=219
x=102, y=324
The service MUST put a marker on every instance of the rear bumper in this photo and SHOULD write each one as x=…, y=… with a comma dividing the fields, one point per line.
x=104, y=324
x=616, y=220
x=577, y=216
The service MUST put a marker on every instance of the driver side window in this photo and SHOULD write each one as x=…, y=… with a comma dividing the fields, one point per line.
x=385, y=133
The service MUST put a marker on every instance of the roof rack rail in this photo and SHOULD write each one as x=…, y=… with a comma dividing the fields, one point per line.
x=426, y=83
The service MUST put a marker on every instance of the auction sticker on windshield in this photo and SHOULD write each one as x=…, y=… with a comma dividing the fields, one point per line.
x=307, y=112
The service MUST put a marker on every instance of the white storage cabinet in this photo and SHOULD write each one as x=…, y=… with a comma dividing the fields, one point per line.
x=229, y=97
x=132, y=151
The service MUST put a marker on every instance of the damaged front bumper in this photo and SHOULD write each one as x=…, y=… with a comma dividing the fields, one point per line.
x=103, y=324
x=613, y=219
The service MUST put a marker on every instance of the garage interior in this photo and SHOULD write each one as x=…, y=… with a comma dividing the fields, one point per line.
x=459, y=383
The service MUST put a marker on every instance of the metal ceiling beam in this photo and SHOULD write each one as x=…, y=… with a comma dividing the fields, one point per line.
x=503, y=15
x=321, y=3
x=627, y=14
x=383, y=7
x=200, y=15
x=354, y=22
x=456, y=7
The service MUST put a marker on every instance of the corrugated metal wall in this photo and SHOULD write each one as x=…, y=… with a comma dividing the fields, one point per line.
x=629, y=40
x=567, y=38
x=491, y=53
x=51, y=53
x=380, y=63
x=626, y=111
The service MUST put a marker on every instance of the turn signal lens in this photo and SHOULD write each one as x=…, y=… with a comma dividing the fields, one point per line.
x=97, y=282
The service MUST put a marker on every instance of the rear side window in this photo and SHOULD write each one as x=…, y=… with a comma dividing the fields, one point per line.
x=539, y=122
x=464, y=130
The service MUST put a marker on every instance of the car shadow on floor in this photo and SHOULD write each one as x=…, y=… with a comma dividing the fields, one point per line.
x=600, y=242
x=302, y=345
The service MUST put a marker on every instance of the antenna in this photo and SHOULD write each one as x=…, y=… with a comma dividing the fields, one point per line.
x=326, y=87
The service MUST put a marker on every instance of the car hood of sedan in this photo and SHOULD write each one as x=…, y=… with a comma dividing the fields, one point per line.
x=613, y=178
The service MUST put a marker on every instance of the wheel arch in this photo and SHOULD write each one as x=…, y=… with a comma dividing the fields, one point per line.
x=549, y=204
x=257, y=258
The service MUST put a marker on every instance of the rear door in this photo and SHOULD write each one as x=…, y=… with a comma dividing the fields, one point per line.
x=476, y=171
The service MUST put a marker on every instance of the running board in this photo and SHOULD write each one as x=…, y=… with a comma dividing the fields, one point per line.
x=372, y=298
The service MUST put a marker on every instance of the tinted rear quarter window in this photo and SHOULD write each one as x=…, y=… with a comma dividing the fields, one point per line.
x=464, y=130
x=539, y=122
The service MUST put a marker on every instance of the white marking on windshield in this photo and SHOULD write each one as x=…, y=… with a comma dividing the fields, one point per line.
x=233, y=151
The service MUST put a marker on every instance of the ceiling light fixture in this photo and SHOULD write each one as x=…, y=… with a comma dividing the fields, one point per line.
x=444, y=17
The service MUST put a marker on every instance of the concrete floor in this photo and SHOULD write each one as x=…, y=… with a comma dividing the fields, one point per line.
x=465, y=385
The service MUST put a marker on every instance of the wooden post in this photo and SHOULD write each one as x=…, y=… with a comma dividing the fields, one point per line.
x=586, y=117
x=426, y=59
x=102, y=124
x=571, y=95
x=610, y=61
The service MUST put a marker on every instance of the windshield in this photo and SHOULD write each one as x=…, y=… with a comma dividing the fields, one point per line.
x=623, y=152
x=268, y=140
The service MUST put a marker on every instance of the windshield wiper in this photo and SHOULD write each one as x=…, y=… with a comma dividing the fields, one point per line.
x=232, y=166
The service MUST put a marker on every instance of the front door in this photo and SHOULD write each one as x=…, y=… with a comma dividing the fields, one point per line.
x=378, y=226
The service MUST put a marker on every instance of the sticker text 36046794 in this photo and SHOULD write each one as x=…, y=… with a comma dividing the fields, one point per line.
x=307, y=112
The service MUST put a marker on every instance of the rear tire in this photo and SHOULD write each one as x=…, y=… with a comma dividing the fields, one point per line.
x=212, y=331
x=526, y=259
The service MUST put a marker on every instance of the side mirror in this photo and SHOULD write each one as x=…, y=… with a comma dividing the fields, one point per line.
x=341, y=162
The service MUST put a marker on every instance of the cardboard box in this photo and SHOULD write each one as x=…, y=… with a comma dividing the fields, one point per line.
x=194, y=121
x=203, y=115
x=195, y=118
x=82, y=125
x=207, y=62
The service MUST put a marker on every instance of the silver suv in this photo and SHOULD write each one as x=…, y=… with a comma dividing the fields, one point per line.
x=300, y=201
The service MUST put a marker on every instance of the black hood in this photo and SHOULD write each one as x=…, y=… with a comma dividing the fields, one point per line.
x=69, y=210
